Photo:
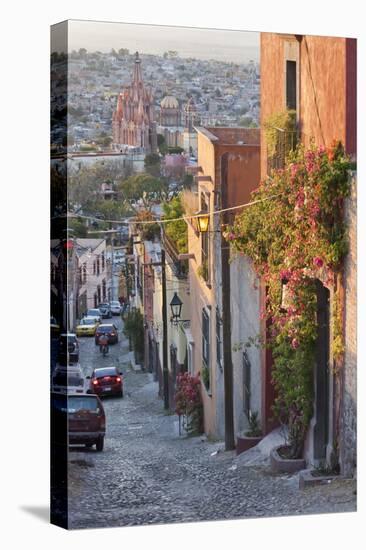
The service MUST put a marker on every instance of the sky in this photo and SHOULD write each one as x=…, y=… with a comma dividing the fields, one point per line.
x=223, y=45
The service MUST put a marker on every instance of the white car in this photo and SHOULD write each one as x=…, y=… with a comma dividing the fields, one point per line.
x=96, y=313
x=68, y=379
x=115, y=307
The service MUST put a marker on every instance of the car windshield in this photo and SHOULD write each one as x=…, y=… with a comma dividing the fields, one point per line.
x=115, y=304
x=105, y=372
x=85, y=403
x=93, y=312
x=87, y=321
x=105, y=328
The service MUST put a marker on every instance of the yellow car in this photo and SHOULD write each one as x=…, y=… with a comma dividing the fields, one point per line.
x=87, y=327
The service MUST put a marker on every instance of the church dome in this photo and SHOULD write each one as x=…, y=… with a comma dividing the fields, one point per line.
x=169, y=102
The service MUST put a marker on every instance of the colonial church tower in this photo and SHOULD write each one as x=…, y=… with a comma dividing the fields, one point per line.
x=133, y=120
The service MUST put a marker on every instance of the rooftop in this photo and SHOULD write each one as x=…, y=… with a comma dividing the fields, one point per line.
x=231, y=136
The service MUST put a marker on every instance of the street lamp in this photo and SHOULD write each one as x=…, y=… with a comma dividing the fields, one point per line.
x=176, y=307
x=203, y=221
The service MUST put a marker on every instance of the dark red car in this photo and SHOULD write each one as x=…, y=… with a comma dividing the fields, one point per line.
x=107, y=381
x=86, y=420
x=110, y=330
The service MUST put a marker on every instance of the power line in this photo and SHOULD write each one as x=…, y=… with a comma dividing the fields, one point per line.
x=159, y=220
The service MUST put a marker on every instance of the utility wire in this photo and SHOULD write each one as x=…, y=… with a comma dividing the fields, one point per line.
x=158, y=220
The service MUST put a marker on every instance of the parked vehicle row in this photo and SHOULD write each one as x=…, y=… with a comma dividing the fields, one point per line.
x=76, y=398
x=84, y=416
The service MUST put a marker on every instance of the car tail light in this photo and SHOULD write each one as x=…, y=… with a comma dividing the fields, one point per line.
x=118, y=379
x=95, y=382
x=113, y=334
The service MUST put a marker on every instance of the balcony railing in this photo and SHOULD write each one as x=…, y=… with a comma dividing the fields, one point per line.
x=179, y=267
x=286, y=141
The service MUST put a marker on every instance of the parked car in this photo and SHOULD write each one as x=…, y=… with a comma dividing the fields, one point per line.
x=107, y=381
x=94, y=313
x=110, y=330
x=68, y=349
x=68, y=379
x=85, y=418
x=87, y=326
x=55, y=328
x=105, y=310
x=116, y=308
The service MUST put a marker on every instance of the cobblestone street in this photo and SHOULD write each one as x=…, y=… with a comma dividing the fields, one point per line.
x=148, y=474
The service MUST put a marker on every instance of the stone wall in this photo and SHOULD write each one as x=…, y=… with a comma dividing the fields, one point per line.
x=348, y=441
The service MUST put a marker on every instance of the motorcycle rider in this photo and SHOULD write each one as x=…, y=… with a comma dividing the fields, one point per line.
x=103, y=343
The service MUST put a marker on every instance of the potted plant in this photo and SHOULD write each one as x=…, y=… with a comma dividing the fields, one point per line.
x=252, y=436
x=288, y=458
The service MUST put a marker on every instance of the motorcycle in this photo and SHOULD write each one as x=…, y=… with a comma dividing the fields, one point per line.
x=104, y=349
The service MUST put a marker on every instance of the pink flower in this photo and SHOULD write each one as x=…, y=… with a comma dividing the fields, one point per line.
x=300, y=198
x=318, y=262
x=294, y=170
x=295, y=343
x=285, y=274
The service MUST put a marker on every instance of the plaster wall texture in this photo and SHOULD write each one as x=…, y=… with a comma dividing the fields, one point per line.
x=326, y=88
x=245, y=315
x=348, y=420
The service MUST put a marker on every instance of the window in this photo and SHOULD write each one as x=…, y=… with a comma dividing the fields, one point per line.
x=246, y=384
x=94, y=268
x=291, y=85
x=103, y=261
x=84, y=273
x=104, y=289
x=218, y=339
x=205, y=338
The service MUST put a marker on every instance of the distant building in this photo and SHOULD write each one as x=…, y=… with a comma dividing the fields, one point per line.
x=170, y=121
x=92, y=282
x=133, y=120
x=191, y=118
x=169, y=111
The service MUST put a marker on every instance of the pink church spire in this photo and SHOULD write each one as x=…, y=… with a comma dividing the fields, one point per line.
x=137, y=76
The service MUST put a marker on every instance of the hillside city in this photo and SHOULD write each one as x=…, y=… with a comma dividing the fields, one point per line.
x=203, y=284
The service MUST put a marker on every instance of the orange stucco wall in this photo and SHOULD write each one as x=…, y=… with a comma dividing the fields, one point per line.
x=327, y=82
x=323, y=89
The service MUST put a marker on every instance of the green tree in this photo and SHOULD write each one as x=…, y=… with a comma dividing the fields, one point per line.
x=161, y=144
x=78, y=227
x=176, y=230
x=152, y=164
x=245, y=121
x=143, y=187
